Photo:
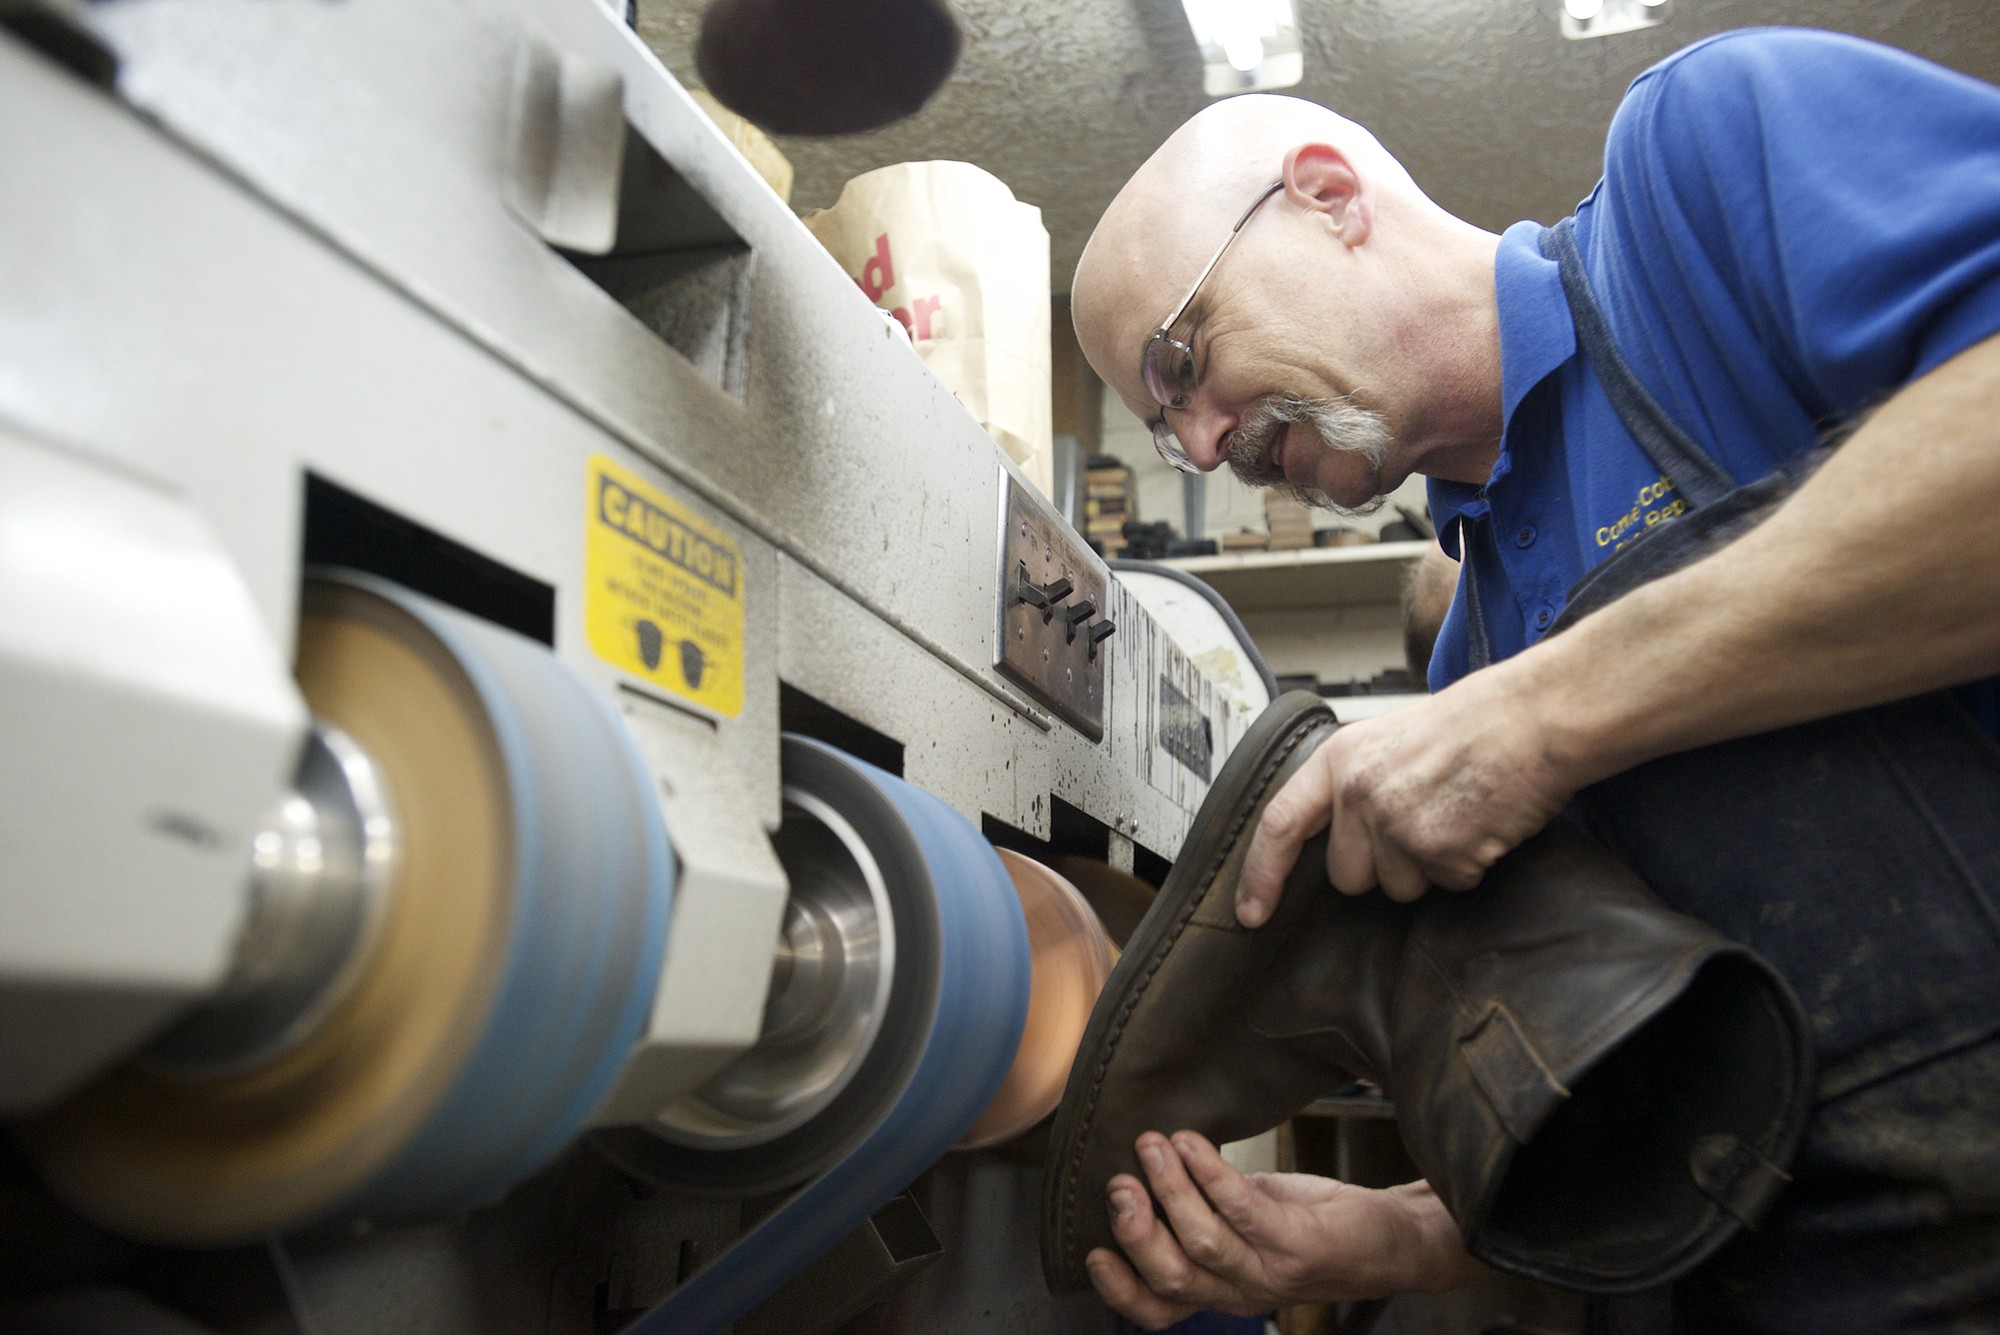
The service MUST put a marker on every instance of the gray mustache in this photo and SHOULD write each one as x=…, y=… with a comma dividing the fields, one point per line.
x=1339, y=424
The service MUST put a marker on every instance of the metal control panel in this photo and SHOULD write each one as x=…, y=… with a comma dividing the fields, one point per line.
x=1053, y=613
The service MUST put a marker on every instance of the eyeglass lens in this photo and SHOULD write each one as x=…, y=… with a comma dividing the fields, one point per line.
x=1169, y=368
x=1170, y=449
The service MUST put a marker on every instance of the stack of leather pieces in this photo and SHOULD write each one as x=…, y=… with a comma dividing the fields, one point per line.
x=1601, y=1091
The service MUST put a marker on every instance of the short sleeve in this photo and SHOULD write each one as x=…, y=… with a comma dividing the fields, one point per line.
x=1846, y=194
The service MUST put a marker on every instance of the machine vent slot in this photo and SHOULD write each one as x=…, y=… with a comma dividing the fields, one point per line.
x=585, y=178
x=802, y=714
x=904, y=1232
x=677, y=266
x=344, y=529
x=1073, y=832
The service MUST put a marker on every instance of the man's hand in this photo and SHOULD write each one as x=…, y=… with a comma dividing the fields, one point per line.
x=1857, y=590
x=1249, y=1245
x=1432, y=794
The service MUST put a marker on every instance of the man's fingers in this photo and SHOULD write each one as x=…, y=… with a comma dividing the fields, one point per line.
x=1124, y=1294
x=1297, y=813
x=1299, y=1188
x=1469, y=868
x=1403, y=880
x=1247, y=1211
x=1350, y=853
x=1154, y=1251
x=1205, y=1236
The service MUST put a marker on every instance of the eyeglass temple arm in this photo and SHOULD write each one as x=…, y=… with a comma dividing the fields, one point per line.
x=1181, y=309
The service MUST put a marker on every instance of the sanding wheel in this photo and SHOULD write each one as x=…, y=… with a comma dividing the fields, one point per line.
x=830, y=989
x=1119, y=898
x=858, y=985
x=1070, y=957
x=515, y=957
x=962, y=954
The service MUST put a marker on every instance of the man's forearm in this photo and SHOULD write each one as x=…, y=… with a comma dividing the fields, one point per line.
x=1878, y=579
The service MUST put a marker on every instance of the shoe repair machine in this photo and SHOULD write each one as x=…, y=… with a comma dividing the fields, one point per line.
x=511, y=678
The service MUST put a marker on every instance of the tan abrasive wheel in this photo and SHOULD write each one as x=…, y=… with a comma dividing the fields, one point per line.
x=185, y=1160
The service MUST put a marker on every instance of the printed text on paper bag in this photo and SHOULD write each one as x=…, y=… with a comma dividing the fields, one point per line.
x=922, y=317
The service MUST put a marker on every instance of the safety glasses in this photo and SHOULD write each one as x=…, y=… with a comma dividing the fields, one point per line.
x=1167, y=364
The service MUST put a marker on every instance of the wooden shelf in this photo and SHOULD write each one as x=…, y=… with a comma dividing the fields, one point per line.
x=1371, y=1105
x=1309, y=578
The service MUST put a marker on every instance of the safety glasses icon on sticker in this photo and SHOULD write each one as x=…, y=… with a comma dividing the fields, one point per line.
x=652, y=643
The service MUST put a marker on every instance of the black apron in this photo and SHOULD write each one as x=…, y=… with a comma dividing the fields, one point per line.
x=1860, y=855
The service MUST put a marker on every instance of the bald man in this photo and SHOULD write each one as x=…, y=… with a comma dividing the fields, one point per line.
x=1735, y=662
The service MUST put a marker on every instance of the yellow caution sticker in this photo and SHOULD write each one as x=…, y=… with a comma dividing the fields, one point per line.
x=662, y=591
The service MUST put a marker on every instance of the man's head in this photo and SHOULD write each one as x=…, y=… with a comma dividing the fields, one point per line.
x=1324, y=343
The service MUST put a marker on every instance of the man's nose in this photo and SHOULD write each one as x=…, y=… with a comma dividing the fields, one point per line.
x=1203, y=431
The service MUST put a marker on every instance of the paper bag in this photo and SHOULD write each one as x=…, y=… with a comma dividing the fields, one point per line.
x=947, y=249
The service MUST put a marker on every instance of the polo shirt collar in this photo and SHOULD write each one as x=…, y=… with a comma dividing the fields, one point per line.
x=1536, y=336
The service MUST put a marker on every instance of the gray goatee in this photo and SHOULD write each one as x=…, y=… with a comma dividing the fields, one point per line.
x=1340, y=425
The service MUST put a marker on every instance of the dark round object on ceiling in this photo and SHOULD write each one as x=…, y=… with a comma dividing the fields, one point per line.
x=824, y=67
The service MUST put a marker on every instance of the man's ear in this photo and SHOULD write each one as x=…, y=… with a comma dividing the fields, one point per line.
x=1322, y=178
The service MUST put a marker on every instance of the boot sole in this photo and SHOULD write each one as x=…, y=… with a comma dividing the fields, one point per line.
x=1233, y=803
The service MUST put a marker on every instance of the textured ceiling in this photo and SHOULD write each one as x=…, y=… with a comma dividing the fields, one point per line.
x=1496, y=115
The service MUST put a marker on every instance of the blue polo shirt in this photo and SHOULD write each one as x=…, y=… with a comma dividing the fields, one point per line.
x=1791, y=225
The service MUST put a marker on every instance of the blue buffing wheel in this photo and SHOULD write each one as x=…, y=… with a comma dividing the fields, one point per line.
x=874, y=864
x=957, y=1004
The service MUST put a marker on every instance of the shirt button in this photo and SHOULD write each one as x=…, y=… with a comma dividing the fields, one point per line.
x=1526, y=537
x=1543, y=618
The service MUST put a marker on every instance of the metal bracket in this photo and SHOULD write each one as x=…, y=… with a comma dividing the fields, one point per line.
x=729, y=905
x=566, y=147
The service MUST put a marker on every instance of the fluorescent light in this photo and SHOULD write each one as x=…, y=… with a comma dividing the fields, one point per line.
x=1246, y=45
x=1607, y=18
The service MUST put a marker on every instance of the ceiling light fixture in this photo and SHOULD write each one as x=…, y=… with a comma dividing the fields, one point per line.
x=1246, y=45
x=1602, y=18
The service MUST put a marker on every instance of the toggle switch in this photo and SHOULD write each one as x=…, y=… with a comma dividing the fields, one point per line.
x=1099, y=633
x=1075, y=614
x=1044, y=596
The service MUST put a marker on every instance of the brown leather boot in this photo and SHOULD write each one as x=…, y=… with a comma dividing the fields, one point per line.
x=826, y=66
x=1600, y=1091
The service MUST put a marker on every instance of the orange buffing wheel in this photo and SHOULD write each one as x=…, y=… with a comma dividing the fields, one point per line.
x=1119, y=898
x=1071, y=958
